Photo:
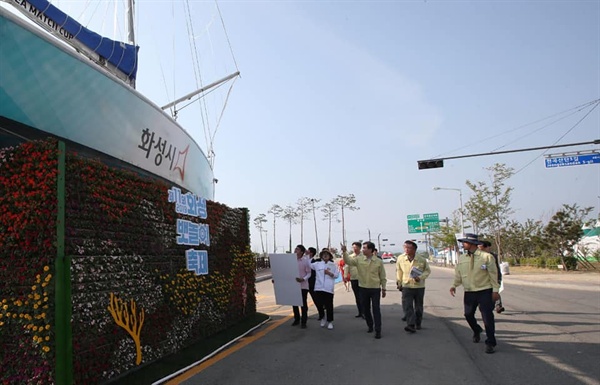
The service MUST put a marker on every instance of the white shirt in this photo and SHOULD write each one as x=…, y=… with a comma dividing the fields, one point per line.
x=323, y=281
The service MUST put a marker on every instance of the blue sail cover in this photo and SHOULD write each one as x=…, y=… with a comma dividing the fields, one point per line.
x=121, y=55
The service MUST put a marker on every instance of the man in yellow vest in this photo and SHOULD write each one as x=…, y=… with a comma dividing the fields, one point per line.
x=372, y=282
x=476, y=271
x=356, y=251
x=411, y=272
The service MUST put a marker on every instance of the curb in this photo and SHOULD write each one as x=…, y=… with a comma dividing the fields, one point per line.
x=263, y=278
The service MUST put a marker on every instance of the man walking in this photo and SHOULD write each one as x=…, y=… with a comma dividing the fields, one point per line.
x=311, y=254
x=487, y=247
x=304, y=270
x=356, y=246
x=371, y=276
x=411, y=272
x=476, y=271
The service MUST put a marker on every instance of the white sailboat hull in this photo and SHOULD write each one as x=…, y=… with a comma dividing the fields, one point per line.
x=48, y=86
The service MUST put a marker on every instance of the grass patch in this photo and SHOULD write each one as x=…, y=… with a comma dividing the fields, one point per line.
x=165, y=366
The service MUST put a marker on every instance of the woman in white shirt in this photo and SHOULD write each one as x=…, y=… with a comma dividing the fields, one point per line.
x=326, y=271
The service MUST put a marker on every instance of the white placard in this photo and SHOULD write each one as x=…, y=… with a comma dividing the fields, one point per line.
x=284, y=269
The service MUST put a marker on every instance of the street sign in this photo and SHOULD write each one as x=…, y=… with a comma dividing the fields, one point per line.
x=415, y=226
x=573, y=160
x=430, y=222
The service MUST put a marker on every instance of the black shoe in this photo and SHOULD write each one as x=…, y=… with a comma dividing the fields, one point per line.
x=418, y=327
x=359, y=316
x=410, y=329
x=303, y=326
x=370, y=330
x=404, y=318
x=295, y=323
x=477, y=334
x=499, y=309
x=378, y=335
x=489, y=349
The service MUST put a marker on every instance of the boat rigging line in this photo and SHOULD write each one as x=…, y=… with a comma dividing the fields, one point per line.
x=227, y=37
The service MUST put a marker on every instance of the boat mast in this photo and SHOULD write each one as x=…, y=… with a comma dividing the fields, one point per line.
x=130, y=29
x=130, y=26
x=200, y=90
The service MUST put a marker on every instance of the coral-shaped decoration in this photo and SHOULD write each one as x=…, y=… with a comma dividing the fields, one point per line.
x=126, y=317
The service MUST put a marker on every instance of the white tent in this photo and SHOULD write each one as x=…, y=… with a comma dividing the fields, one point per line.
x=590, y=242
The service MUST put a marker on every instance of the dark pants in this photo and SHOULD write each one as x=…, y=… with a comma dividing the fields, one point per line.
x=315, y=299
x=484, y=299
x=325, y=304
x=412, y=304
x=371, y=296
x=356, y=290
x=304, y=308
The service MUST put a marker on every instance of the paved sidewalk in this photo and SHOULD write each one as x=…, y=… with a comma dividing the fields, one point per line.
x=556, y=344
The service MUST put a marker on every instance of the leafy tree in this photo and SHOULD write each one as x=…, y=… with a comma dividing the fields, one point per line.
x=258, y=222
x=522, y=240
x=345, y=202
x=276, y=211
x=446, y=235
x=564, y=230
x=329, y=211
x=489, y=206
x=291, y=215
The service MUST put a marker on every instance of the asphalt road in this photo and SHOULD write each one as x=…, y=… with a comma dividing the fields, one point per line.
x=549, y=334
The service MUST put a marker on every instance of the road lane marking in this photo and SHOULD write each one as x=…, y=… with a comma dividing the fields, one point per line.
x=218, y=357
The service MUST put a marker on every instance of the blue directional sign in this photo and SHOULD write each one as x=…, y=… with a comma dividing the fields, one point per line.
x=573, y=160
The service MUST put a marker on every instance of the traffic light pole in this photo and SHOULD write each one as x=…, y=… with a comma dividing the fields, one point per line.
x=439, y=162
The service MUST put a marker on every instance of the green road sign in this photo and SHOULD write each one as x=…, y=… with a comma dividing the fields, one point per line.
x=415, y=226
x=429, y=223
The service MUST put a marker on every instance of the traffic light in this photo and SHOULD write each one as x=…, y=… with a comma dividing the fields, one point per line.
x=431, y=163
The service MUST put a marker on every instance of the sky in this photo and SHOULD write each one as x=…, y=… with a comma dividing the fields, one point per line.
x=343, y=97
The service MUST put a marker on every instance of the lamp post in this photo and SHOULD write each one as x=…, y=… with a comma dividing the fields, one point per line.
x=462, y=224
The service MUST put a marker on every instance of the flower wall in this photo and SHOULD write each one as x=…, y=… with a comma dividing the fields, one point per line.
x=27, y=253
x=133, y=298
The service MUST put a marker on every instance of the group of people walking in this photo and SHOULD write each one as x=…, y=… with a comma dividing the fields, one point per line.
x=477, y=271
x=316, y=276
